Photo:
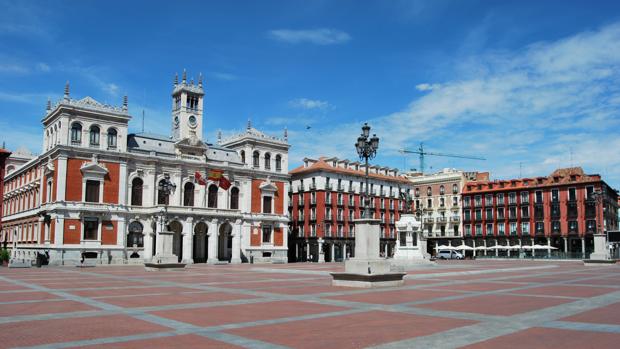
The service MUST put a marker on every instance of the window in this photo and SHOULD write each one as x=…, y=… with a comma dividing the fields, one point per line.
x=162, y=197
x=555, y=195
x=512, y=213
x=212, y=196
x=468, y=230
x=136, y=192
x=91, y=228
x=266, y=204
x=188, y=194
x=94, y=135
x=467, y=215
x=478, y=200
x=267, y=234
x=242, y=154
x=572, y=194
x=429, y=191
x=489, y=214
x=466, y=201
x=478, y=214
x=417, y=192
x=455, y=189
x=489, y=229
x=589, y=192
x=278, y=163
x=135, y=237
x=513, y=228
x=525, y=228
x=234, y=199
x=555, y=226
x=539, y=197
x=92, y=191
x=442, y=190
x=540, y=227
x=256, y=159
x=488, y=200
x=525, y=212
x=429, y=203
x=267, y=161
x=512, y=198
x=525, y=197
x=501, y=229
x=478, y=229
x=455, y=201
x=500, y=198
x=76, y=133
x=112, y=138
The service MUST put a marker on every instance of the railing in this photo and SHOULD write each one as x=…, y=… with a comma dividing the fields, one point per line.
x=429, y=220
x=455, y=219
x=441, y=219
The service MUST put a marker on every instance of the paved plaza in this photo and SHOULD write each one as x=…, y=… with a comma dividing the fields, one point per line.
x=473, y=304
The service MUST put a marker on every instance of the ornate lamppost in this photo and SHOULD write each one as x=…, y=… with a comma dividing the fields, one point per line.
x=165, y=187
x=366, y=147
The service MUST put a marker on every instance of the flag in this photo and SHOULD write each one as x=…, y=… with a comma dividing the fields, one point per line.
x=199, y=179
x=224, y=183
x=214, y=175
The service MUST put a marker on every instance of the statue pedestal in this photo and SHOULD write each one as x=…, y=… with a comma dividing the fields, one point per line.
x=164, y=259
x=412, y=251
x=600, y=255
x=366, y=269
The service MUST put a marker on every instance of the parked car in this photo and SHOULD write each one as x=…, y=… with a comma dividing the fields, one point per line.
x=449, y=254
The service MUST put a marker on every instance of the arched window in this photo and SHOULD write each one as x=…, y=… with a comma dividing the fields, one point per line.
x=136, y=192
x=429, y=191
x=242, y=153
x=134, y=236
x=76, y=133
x=256, y=159
x=278, y=163
x=234, y=199
x=212, y=199
x=267, y=161
x=162, y=197
x=188, y=194
x=112, y=135
x=442, y=190
x=94, y=135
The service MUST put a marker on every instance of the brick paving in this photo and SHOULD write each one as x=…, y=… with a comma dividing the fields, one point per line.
x=478, y=304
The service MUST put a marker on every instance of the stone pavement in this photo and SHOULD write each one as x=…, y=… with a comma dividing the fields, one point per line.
x=474, y=304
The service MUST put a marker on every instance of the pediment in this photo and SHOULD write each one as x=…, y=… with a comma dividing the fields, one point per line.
x=93, y=169
x=268, y=186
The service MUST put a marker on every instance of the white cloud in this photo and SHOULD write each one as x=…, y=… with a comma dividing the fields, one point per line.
x=224, y=76
x=305, y=103
x=323, y=36
x=427, y=87
x=13, y=68
x=43, y=67
x=110, y=88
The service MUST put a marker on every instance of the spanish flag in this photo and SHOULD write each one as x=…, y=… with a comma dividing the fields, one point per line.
x=224, y=183
x=214, y=175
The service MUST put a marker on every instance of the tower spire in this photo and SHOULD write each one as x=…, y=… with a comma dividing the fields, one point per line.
x=125, y=102
x=49, y=104
x=184, y=76
x=219, y=137
x=176, y=79
x=249, y=124
x=285, y=134
x=67, y=90
x=200, y=80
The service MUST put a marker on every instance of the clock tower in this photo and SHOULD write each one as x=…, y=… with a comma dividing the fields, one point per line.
x=187, y=103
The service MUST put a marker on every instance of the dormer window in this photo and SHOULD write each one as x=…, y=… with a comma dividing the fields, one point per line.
x=76, y=134
x=94, y=136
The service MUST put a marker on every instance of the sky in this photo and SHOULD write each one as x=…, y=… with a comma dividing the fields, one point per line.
x=529, y=85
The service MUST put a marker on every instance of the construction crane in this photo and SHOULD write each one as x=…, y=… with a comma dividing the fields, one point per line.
x=420, y=151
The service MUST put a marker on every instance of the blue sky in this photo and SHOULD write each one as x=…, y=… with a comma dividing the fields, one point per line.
x=529, y=85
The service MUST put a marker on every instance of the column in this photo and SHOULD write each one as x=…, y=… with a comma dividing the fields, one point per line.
x=485, y=246
x=213, y=240
x=236, y=243
x=308, y=251
x=333, y=255
x=583, y=247
x=321, y=254
x=474, y=246
x=122, y=186
x=385, y=250
x=565, y=245
x=59, y=230
x=188, y=241
x=548, y=247
x=344, y=251
x=61, y=178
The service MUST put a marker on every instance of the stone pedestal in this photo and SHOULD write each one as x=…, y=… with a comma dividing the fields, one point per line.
x=413, y=252
x=164, y=259
x=367, y=269
x=600, y=250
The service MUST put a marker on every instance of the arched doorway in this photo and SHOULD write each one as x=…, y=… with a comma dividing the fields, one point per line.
x=201, y=242
x=224, y=252
x=177, y=238
x=135, y=239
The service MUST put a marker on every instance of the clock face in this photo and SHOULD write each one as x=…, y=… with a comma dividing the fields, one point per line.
x=192, y=120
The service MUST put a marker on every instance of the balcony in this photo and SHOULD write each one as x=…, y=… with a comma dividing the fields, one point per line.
x=441, y=220
x=455, y=219
x=340, y=187
x=441, y=208
x=430, y=220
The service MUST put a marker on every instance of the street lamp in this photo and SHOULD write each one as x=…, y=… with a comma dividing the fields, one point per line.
x=367, y=149
x=165, y=188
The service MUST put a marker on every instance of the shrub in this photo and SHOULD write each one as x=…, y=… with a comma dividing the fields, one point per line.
x=4, y=255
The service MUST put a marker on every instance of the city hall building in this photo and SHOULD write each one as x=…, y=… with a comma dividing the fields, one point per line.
x=97, y=191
